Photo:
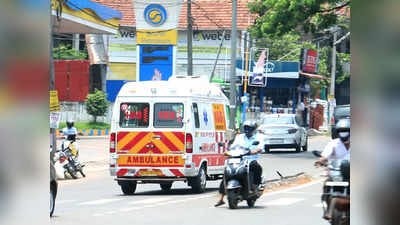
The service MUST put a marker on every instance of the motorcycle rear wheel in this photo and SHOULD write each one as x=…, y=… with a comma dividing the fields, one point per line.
x=232, y=199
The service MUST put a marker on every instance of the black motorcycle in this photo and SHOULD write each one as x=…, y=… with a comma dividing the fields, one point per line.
x=336, y=191
x=238, y=179
x=68, y=158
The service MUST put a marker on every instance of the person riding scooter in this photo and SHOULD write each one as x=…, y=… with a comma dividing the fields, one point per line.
x=70, y=133
x=246, y=140
x=337, y=149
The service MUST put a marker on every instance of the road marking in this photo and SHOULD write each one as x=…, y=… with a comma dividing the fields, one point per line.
x=110, y=212
x=303, y=193
x=101, y=201
x=129, y=209
x=65, y=201
x=98, y=214
x=292, y=188
x=318, y=205
x=283, y=201
x=147, y=201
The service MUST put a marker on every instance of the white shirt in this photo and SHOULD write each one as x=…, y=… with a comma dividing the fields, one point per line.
x=242, y=140
x=336, y=150
x=70, y=131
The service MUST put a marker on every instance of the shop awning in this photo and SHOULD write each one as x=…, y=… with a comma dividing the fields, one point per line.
x=310, y=75
x=84, y=17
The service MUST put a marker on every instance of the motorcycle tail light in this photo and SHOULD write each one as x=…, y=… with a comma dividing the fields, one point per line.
x=62, y=159
x=292, y=131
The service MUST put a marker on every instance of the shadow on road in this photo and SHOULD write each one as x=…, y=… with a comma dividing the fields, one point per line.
x=290, y=154
x=177, y=191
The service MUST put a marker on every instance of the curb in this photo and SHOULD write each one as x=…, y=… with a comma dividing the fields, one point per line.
x=91, y=132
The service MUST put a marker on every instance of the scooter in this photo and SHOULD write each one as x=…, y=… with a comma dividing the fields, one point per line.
x=237, y=178
x=336, y=191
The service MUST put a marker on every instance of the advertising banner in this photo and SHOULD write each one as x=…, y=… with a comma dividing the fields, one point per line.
x=310, y=61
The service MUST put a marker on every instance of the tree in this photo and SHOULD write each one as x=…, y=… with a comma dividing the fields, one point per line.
x=66, y=52
x=96, y=104
x=279, y=17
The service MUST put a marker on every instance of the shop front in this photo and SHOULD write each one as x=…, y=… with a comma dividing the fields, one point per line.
x=278, y=90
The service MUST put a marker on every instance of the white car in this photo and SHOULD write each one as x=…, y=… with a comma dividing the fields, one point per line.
x=283, y=131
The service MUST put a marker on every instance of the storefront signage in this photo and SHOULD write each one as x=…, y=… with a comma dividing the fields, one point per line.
x=157, y=37
x=258, y=80
x=155, y=14
x=213, y=35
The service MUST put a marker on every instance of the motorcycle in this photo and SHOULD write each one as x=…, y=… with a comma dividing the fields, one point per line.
x=68, y=158
x=336, y=191
x=237, y=178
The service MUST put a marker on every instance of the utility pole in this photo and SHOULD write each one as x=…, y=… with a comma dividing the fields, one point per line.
x=189, y=38
x=333, y=67
x=52, y=85
x=233, y=67
x=216, y=60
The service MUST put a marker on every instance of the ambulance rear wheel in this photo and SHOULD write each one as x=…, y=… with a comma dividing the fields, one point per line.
x=199, y=182
x=166, y=186
x=128, y=187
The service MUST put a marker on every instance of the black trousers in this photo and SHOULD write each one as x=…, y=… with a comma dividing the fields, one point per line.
x=256, y=171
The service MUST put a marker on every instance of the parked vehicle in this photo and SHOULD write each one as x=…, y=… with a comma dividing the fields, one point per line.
x=283, y=131
x=68, y=158
x=340, y=112
x=238, y=180
x=336, y=191
x=167, y=131
x=53, y=187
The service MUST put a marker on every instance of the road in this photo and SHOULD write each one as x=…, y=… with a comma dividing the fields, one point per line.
x=97, y=199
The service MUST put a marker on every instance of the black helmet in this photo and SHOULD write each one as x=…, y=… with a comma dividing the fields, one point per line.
x=70, y=123
x=249, y=126
x=343, y=129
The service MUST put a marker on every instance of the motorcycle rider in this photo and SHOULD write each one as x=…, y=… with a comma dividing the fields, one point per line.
x=337, y=149
x=247, y=139
x=70, y=133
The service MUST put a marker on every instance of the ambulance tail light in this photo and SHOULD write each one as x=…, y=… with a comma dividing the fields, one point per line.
x=189, y=143
x=112, y=143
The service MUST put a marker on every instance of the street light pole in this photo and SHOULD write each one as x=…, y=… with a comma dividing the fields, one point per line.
x=333, y=67
x=52, y=84
x=233, y=67
x=189, y=38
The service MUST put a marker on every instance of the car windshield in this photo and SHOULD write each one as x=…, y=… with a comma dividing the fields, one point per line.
x=342, y=112
x=278, y=120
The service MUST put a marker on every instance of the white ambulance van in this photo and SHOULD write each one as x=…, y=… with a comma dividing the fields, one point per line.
x=166, y=131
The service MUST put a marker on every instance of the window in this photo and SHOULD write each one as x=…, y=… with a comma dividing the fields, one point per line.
x=278, y=120
x=168, y=115
x=196, y=115
x=134, y=115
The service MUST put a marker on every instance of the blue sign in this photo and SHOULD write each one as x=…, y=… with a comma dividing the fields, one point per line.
x=275, y=69
x=155, y=14
x=205, y=116
x=257, y=79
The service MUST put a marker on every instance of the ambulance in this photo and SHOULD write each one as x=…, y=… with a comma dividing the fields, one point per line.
x=167, y=131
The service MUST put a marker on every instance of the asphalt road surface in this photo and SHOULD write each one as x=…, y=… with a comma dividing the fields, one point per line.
x=97, y=199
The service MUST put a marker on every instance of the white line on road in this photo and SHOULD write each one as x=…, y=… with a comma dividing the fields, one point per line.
x=65, y=201
x=318, y=205
x=283, y=201
x=151, y=200
x=129, y=209
x=302, y=193
x=292, y=188
x=101, y=201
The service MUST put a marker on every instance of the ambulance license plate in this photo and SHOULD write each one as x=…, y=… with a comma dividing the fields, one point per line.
x=233, y=161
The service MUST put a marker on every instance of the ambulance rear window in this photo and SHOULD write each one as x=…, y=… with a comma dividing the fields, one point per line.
x=134, y=115
x=168, y=115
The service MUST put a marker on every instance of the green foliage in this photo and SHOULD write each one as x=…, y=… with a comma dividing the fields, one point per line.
x=88, y=126
x=66, y=52
x=280, y=17
x=96, y=104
